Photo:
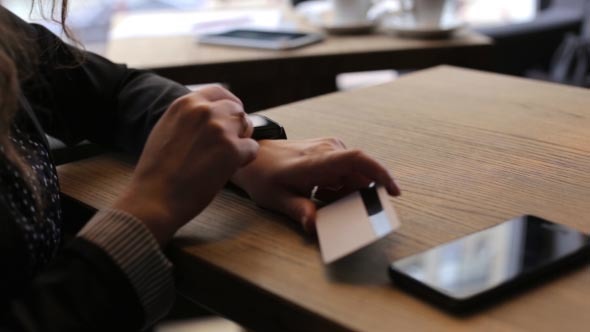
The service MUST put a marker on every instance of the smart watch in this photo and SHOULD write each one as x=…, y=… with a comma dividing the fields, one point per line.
x=265, y=128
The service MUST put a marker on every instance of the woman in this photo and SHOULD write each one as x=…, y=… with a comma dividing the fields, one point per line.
x=113, y=275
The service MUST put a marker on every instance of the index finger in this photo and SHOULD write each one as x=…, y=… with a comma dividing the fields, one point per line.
x=215, y=92
x=330, y=169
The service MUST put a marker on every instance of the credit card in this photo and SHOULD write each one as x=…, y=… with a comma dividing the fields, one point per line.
x=354, y=222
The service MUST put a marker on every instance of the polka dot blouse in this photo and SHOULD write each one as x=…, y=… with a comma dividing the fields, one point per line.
x=32, y=197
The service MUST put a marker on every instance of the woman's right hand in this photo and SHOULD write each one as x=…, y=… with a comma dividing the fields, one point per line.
x=193, y=150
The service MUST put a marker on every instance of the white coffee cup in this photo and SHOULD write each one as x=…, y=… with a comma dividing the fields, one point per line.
x=347, y=12
x=429, y=13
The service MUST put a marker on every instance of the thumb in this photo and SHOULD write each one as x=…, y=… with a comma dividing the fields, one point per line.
x=298, y=208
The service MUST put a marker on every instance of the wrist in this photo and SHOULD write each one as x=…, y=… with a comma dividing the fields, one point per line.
x=154, y=215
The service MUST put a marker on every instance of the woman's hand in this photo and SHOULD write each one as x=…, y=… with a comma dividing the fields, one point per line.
x=199, y=142
x=284, y=174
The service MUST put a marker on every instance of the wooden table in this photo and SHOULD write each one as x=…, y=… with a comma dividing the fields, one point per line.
x=264, y=78
x=469, y=150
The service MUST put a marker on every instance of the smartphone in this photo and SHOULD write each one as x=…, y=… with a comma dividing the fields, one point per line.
x=265, y=128
x=265, y=39
x=467, y=274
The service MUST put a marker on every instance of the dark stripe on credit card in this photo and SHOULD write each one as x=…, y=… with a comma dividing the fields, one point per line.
x=371, y=200
x=379, y=221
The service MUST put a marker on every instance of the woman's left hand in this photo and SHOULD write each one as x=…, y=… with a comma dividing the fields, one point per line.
x=285, y=172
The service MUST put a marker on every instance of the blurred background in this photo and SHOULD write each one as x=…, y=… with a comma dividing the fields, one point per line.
x=527, y=33
x=91, y=18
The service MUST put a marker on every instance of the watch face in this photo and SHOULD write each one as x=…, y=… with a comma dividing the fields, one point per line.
x=265, y=128
x=258, y=120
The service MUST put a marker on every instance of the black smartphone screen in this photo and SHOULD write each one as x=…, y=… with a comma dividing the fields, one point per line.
x=475, y=265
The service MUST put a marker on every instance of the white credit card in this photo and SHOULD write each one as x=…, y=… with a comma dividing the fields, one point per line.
x=355, y=221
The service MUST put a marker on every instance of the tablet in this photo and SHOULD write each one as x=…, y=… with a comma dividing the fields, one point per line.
x=265, y=39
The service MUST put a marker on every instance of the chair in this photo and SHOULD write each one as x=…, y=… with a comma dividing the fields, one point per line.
x=521, y=47
x=571, y=62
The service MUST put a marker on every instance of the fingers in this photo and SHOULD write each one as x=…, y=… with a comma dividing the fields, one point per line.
x=215, y=92
x=331, y=170
x=298, y=208
x=247, y=150
x=233, y=118
x=326, y=144
x=283, y=174
x=349, y=184
x=219, y=116
x=248, y=126
x=213, y=100
x=372, y=169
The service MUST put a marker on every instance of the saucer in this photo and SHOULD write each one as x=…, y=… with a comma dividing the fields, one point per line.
x=406, y=27
x=347, y=28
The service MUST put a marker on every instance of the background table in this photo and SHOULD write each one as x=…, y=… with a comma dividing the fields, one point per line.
x=469, y=150
x=264, y=78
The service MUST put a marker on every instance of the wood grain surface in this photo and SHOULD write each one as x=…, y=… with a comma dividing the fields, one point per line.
x=468, y=149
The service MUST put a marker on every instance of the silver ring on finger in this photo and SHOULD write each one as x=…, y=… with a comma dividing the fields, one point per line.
x=313, y=193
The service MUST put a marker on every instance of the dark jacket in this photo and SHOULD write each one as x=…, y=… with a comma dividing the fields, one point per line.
x=74, y=96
